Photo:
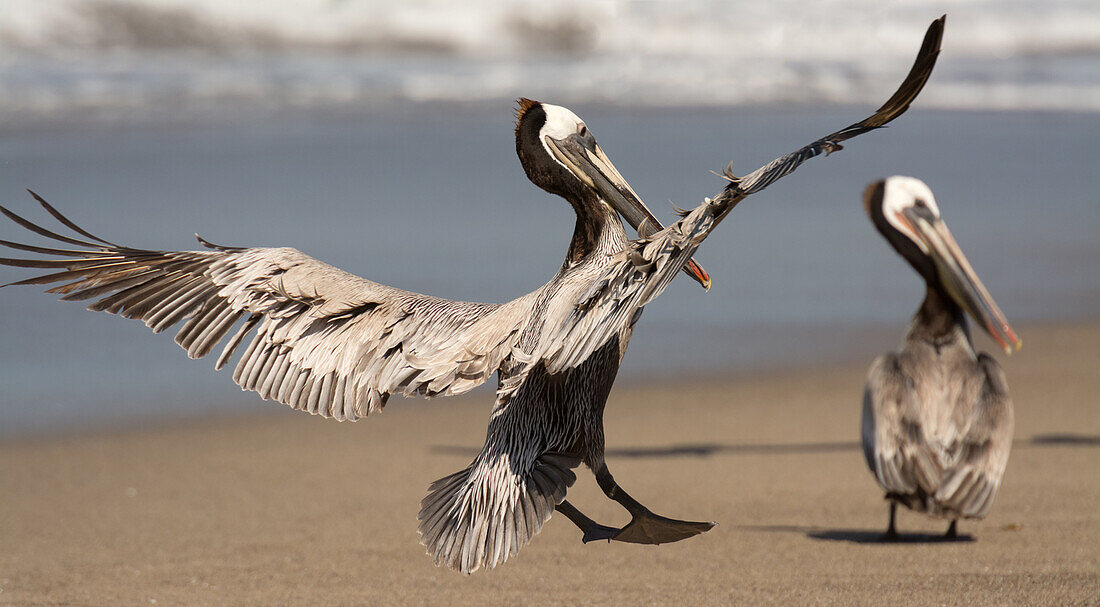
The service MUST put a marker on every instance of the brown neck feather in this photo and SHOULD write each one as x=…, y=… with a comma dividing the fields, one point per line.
x=938, y=316
x=591, y=220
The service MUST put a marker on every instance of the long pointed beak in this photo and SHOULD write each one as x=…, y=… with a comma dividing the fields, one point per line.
x=960, y=280
x=591, y=165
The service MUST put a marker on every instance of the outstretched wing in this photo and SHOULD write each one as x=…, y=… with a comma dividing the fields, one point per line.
x=740, y=188
x=322, y=340
x=643, y=270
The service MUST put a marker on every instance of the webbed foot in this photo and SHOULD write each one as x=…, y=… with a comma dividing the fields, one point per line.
x=649, y=528
x=592, y=530
x=644, y=528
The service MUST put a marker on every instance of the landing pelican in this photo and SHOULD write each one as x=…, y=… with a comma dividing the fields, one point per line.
x=937, y=418
x=333, y=344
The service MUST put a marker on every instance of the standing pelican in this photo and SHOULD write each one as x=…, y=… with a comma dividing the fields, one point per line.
x=337, y=345
x=937, y=418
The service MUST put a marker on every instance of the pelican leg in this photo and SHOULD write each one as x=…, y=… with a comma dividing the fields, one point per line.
x=644, y=526
x=891, y=531
x=592, y=530
x=952, y=532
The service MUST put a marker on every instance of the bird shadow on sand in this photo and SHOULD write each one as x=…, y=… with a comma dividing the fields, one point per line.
x=860, y=536
x=711, y=449
x=864, y=536
x=696, y=449
x=1063, y=439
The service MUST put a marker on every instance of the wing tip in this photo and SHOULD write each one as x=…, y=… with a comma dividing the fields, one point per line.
x=217, y=247
x=35, y=195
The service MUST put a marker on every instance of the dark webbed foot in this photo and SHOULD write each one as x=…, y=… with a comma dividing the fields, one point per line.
x=649, y=528
x=643, y=528
x=592, y=530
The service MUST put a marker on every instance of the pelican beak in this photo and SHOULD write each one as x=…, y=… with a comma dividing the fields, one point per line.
x=585, y=159
x=958, y=277
x=696, y=271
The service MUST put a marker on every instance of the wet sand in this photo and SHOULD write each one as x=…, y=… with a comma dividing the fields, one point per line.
x=282, y=508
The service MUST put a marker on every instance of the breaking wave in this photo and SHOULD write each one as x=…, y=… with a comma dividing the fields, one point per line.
x=150, y=58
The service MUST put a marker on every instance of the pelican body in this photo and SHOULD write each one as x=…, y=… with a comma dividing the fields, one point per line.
x=327, y=342
x=336, y=345
x=937, y=418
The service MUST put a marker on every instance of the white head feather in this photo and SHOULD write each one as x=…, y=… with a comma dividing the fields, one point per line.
x=900, y=193
x=560, y=123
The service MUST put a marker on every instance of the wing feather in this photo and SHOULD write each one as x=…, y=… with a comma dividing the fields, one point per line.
x=322, y=340
x=888, y=432
x=983, y=449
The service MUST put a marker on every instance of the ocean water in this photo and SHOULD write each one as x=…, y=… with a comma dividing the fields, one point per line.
x=435, y=201
x=167, y=60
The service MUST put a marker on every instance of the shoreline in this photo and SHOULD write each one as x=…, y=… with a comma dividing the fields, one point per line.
x=247, y=406
x=292, y=509
x=257, y=116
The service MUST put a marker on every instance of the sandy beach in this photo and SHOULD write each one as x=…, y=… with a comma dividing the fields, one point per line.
x=280, y=508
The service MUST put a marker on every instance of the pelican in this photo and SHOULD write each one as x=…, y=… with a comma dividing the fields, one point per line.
x=937, y=419
x=330, y=343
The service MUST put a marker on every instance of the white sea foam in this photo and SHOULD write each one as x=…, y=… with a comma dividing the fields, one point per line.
x=143, y=57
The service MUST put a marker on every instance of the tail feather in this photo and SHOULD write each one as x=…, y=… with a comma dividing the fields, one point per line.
x=481, y=516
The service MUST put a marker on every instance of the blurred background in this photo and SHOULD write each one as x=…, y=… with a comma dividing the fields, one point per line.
x=377, y=136
x=133, y=60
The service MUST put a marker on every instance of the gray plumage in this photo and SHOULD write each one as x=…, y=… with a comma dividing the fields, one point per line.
x=333, y=344
x=937, y=426
x=937, y=419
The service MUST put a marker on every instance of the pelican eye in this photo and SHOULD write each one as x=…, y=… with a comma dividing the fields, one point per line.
x=582, y=131
x=920, y=204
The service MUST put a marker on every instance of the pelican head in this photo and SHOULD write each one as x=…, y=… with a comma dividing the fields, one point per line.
x=905, y=212
x=560, y=155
